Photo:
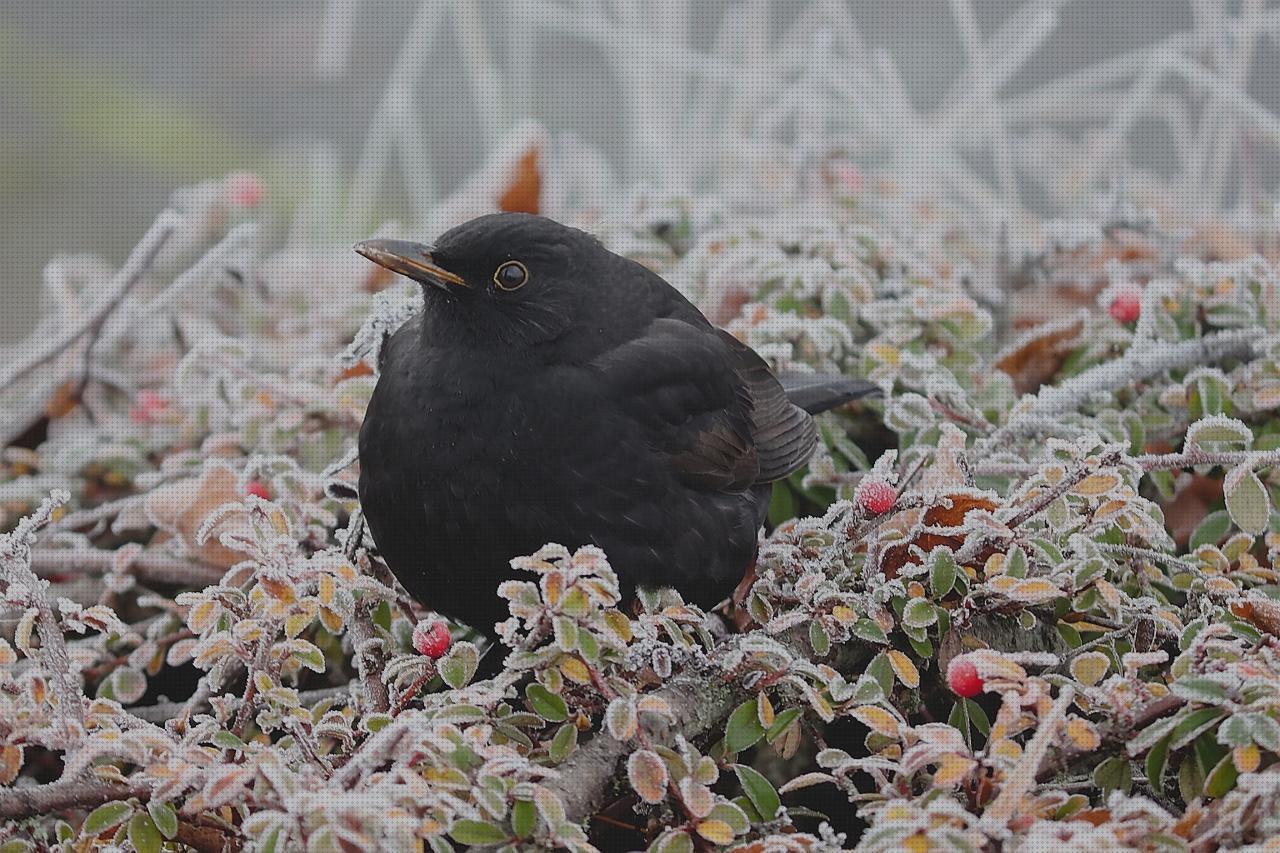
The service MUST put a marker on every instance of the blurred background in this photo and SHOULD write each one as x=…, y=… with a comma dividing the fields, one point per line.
x=107, y=108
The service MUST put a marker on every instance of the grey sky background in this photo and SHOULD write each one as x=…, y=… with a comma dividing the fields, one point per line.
x=107, y=107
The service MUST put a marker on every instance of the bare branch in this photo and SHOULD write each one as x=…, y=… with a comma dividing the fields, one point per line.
x=146, y=567
x=130, y=274
x=80, y=793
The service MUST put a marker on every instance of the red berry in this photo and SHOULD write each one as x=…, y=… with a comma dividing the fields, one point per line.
x=963, y=678
x=147, y=408
x=257, y=488
x=243, y=189
x=431, y=639
x=876, y=496
x=1126, y=306
x=849, y=176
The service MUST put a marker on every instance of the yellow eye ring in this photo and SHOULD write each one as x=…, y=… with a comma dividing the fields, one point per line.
x=512, y=275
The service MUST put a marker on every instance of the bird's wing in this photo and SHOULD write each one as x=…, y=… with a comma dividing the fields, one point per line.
x=784, y=434
x=710, y=403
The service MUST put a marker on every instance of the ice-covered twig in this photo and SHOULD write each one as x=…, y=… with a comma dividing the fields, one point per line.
x=82, y=792
x=146, y=567
x=212, y=261
x=124, y=281
x=1142, y=361
x=23, y=587
x=1023, y=778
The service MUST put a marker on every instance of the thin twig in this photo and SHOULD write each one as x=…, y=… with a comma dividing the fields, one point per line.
x=146, y=567
x=1063, y=486
x=164, y=711
x=129, y=275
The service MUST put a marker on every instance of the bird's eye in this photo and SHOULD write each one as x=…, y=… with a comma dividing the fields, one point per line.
x=511, y=276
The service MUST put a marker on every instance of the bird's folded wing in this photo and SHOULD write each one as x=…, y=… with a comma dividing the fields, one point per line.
x=710, y=403
x=784, y=434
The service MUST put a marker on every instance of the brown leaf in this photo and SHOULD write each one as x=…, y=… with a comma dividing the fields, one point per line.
x=62, y=401
x=939, y=515
x=1189, y=507
x=180, y=509
x=1039, y=356
x=1262, y=613
x=1217, y=241
x=10, y=763
x=357, y=369
x=648, y=775
x=524, y=193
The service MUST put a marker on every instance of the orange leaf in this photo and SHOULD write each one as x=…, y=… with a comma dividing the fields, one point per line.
x=10, y=763
x=524, y=193
x=1040, y=355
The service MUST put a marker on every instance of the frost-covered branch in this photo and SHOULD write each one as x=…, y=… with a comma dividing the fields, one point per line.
x=133, y=271
x=23, y=588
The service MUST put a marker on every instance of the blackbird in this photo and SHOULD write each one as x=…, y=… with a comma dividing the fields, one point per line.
x=552, y=391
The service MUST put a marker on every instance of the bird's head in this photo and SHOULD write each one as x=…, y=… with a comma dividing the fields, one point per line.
x=505, y=277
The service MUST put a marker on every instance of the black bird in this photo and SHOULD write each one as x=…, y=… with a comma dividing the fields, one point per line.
x=552, y=391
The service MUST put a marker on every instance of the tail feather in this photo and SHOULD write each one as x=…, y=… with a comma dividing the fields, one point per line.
x=818, y=392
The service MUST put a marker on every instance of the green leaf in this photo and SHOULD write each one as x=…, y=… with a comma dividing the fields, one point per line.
x=546, y=704
x=942, y=574
x=224, y=739
x=978, y=717
x=1049, y=552
x=919, y=613
x=1265, y=731
x=1199, y=690
x=759, y=790
x=781, y=722
x=1190, y=779
x=782, y=504
x=882, y=671
x=1157, y=761
x=732, y=814
x=309, y=656
x=819, y=640
x=564, y=743
x=382, y=615
x=376, y=722
x=1247, y=500
x=958, y=719
x=744, y=727
x=1015, y=565
x=1234, y=731
x=1221, y=433
x=1212, y=530
x=867, y=629
x=1152, y=733
x=165, y=818
x=1222, y=778
x=106, y=816
x=921, y=646
x=748, y=808
x=1194, y=724
x=143, y=834
x=459, y=665
x=477, y=832
x=1114, y=774
x=523, y=818
x=672, y=841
